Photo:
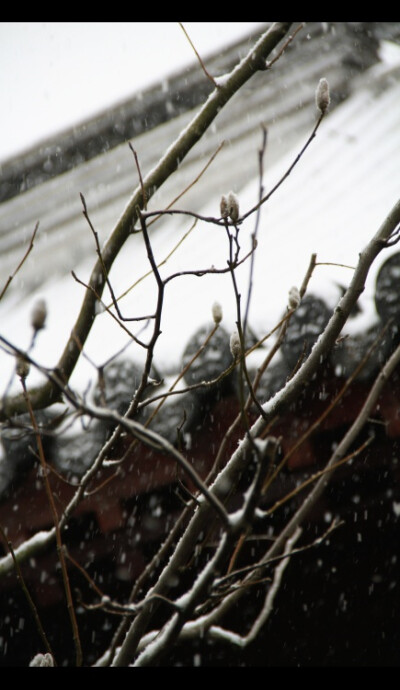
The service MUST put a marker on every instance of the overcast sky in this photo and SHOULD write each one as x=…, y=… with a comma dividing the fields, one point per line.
x=54, y=74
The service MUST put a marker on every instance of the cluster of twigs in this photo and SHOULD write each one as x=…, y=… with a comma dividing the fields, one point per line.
x=216, y=584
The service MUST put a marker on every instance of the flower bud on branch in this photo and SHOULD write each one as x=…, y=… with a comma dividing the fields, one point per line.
x=322, y=97
x=233, y=207
x=42, y=660
x=294, y=298
x=22, y=366
x=38, y=315
x=229, y=206
x=235, y=345
x=224, y=206
x=217, y=312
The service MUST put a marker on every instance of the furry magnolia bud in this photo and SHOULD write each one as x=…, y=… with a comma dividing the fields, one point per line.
x=42, y=660
x=224, y=206
x=235, y=345
x=22, y=366
x=233, y=207
x=217, y=312
x=229, y=206
x=322, y=97
x=294, y=298
x=38, y=315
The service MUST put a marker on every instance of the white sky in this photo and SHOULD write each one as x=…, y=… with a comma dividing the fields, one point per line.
x=54, y=74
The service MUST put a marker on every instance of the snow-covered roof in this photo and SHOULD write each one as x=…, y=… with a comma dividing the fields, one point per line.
x=331, y=204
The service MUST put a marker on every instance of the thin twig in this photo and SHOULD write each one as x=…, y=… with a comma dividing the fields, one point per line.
x=182, y=374
x=285, y=45
x=120, y=319
x=187, y=389
x=193, y=182
x=28, y=251
x=288, y=171
x=28, y=597
x=208, y=75
x=144, y=195
x=205, y=271
x=105, y=274
x=314, y=477
x=161, y=263
x=261, y=155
